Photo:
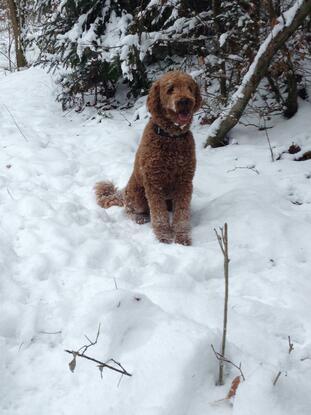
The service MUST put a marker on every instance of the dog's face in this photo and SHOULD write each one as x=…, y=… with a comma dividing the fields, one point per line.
x=176, y=96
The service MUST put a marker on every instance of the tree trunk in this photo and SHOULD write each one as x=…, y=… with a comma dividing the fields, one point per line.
x=216, y=4
x=291, y=103
x=287, y=24
x=275, y=89
x=14, y=17
x=9, y=48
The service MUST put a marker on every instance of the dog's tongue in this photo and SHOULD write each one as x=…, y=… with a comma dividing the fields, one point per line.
x=184, y=117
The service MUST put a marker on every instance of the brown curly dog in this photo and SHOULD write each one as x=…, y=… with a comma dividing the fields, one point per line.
x=164, y=164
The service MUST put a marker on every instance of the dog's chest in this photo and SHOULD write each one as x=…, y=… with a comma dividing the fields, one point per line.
x=170, y=157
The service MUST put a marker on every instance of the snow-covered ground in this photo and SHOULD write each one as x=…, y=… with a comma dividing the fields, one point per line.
x=67, y=266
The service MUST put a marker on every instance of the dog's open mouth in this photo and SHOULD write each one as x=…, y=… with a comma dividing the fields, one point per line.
x=184, y=117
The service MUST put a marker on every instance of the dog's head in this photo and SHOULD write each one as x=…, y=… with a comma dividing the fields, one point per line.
x=173, y=100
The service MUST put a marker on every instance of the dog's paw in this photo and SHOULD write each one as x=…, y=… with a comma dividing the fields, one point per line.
x=141, y=218
x=165, y=241
x=183, y=239
x=165, y=236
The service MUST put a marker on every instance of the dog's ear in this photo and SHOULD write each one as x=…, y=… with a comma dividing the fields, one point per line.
x=153, y=100
x=198, y=97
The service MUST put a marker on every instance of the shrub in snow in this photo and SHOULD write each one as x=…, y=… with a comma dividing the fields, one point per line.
x=100, y=46
x=78, y=36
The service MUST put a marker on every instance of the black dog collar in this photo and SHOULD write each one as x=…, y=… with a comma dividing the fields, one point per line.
x=163, y=133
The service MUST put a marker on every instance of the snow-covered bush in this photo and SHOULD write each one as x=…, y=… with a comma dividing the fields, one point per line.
x=103, y=46
x=71, y=37
x=96, y=43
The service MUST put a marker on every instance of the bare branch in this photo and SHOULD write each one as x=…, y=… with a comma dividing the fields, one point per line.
x=268, y=139
x=121, y=377
x=126, y=119
x=8, y=58
x=277, y=378
x=92, y=343
x=244, y=167
x=10, y=193
x=223, y=244
x=49, y=332
x=254, y=125
x=290, y=345
x=290, y=349
x=219, y=241
x=99, y=363
x=220, y=357
x=15, y=122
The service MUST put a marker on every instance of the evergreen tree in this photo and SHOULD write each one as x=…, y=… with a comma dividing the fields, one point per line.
x=103, y=46
x=73, y=37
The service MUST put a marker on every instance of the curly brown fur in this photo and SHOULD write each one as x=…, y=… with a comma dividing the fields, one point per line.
x=108, y=195
x=165, y=162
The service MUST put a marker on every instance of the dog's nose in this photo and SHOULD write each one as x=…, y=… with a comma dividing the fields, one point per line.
x=184, y=102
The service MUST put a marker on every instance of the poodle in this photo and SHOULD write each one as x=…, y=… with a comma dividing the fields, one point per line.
x=164, y=164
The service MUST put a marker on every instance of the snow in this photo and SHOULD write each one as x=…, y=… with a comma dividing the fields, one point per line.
x=67, y=266
x=222, y=39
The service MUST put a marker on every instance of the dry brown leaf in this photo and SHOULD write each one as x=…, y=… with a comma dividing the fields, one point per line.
x=234, y=386
x=274, y=21
x=72, y=364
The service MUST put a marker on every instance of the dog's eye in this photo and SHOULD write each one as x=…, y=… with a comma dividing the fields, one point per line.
x=170, y=89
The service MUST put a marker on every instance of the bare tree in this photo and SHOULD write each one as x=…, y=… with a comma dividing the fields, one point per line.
x=286, y=26
x=16, y=22
x=223, y=244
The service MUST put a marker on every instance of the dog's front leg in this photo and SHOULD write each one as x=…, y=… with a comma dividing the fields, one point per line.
x=159, y=215
x=181, y=217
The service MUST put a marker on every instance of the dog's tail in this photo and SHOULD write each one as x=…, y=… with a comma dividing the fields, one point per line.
x=108, y=195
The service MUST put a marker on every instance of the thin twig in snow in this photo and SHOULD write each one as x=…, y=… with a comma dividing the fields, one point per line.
x=254, y=125
x=290, y=349
x=100, y=364
x=277, y=377
x=220, y=357
x=290, y=345
x=8, y=58
x=49, y=332
x=245, y=167
x=121, y=377
x=92, y=343
x=268, y=139
x=223, y=244
x=10, y=193
x=129, y=122
x=15, y=122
